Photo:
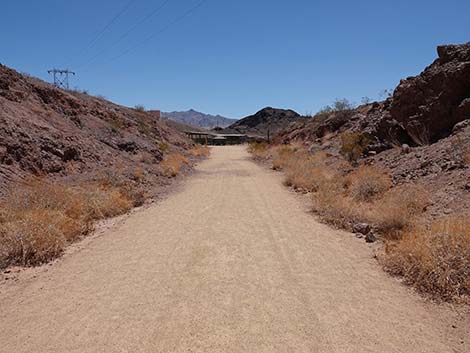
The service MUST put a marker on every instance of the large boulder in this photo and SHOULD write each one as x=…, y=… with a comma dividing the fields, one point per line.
x=430, y=104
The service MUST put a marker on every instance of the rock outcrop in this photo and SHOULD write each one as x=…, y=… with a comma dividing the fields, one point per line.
x=422, y=110
x=421, y=134
x=430, y=104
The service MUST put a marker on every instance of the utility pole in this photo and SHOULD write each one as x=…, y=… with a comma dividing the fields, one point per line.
x=269, y=130
x=61, y=77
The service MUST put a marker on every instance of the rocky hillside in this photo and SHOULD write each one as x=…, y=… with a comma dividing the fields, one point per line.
x=274, y=120
x=58, y=133
x=200, y=120
x=420, y=134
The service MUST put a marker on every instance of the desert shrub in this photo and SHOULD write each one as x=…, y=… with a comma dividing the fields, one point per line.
x=367, y=183
x=281, y=156
x=35, y=236
x=308, y=172
x=38, y=219
x=353, y=145
x=140, y=108
x=199, y=151
x=103, y=202
x=399, y=209
x=339, y=105
x=336, y=208
x=435, y=258
x=163, y=146
x=300, y=172
x=259, y=150
x=130, y=190
x=173, y=164
x=365, y=196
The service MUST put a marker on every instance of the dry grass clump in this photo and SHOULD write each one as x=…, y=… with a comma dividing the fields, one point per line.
x=308, y=172
x=259, y=150
x=368, y=183
x=173, y=164
x=365, y=196
x=39, y=219
x=200, y=151
x=398, y=210
x=336, y=207
x=282, y=156
x=434, y=259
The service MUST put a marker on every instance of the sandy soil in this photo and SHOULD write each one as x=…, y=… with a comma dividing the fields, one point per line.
x=232, y=262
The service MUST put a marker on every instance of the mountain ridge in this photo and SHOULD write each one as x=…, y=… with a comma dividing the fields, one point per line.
x=199, y=119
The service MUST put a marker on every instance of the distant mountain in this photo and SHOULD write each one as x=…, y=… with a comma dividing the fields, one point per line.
x=198, y=119
x=274, y=120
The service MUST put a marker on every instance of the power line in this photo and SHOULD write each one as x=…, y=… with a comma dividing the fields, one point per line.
x=165, y=28
x=129, y=31
x=108, y=25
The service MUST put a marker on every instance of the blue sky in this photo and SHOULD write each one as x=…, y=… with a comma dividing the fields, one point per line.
x=230, y=57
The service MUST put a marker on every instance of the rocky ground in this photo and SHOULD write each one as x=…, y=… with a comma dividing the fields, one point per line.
x=45, y=131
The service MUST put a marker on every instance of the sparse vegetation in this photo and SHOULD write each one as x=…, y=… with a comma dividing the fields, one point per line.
x=434, y=258
x=398, y=210
x=366, y=100
x=140, y=108
x=199, y=151
x=173, y=163
x=338, y=105
x=38, y=219
x=309, y=173
x=259, y=150
x=163, y=146
x=386, y=93
x=353, y=145
x=343, y=197
x=282, y=156
x=368, y=183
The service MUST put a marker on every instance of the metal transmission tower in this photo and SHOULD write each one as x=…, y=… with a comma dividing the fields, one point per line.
x=61, y=77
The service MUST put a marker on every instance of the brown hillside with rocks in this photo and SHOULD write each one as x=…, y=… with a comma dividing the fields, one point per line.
x=420, y=134
x=272, y=119
x=45, y=131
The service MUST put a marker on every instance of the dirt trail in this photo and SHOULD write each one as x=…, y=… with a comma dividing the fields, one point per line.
x=231, y=263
